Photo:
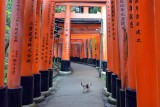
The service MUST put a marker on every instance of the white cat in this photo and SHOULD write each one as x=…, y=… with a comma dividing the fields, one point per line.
x=86, y=87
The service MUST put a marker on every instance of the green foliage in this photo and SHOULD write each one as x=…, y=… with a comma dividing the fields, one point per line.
x=94, y=9
x=60, y=9
x=8, y=15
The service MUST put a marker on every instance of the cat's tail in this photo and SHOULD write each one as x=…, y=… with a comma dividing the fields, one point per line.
x=82, y=84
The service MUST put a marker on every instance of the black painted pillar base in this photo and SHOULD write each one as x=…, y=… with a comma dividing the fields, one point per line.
x=71, y=59
x=56, y=59
x=109, y=81
x=27, y=82
x=97, y=63
x=37, y=85
x=59, y=59
x=122, y=97
x=94, y=62
x=104, y=65
x=89, y=61
x=78, y=60
x=3, y=97
x=85, y=60
x=113, y=85
x=50, y=77
x=81, y=60
x=44, y=80
x=118, y=87
x=131, y=100
x=65, y=65
x=15, y=97
x=53, y=59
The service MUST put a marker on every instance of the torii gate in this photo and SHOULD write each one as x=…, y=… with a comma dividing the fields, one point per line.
x=130, y=49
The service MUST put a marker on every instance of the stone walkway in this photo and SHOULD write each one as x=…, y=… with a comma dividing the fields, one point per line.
x=70, y=92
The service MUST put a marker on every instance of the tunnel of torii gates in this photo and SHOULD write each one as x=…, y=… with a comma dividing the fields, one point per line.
x=123, y=36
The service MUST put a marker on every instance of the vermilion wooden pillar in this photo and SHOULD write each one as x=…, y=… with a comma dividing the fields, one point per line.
x=56, y=50
x=109, y=45
x=51, y=41
x=157, y=38
x=65, y=64
x=89, y=51
x=97, y=51
x=115, y=38
x=76, y=50
x=146, y=69
x=45, y=46
x=131, y=89
x=78, y=53
x=104, y=36
x=14, y=64
x=3, y=90
x=85, y=51
x=37, y=54
x=27, y=79
x=93, y=52
x=82, y=52
x=59, y=52
x=122, y=81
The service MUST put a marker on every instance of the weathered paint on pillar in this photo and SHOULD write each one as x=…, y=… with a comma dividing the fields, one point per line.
x=116, y=62
x=45, y=35
x=109, y=37
x=14, y=64
x=146, y=70
x=2, y=40
x=37, y=40
x=27, y=38
x=131, y=47
x=51, y=38
x=66, y=39
x=104, y=17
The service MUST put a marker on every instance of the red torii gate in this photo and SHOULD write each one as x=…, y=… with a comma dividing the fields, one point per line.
x=130, y=47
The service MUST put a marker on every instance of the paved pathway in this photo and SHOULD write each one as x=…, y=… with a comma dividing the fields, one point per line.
x=70, y=92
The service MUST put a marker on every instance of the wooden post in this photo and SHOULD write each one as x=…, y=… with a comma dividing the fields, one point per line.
x=37, y=54
x=131, y=90
x=97, y=51
x=104, y=38
x=93, y=52
x=65, y=64
x=146, y=69
x=27, y=79
x=89, y=51
x=157, y=38
x=122, y=81
x=109, y=45
x=3, y=90
x=85, y=51
x=14, y=64
x=45, y=46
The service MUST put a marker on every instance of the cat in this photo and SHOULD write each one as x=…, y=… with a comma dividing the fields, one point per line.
x=86, y=87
